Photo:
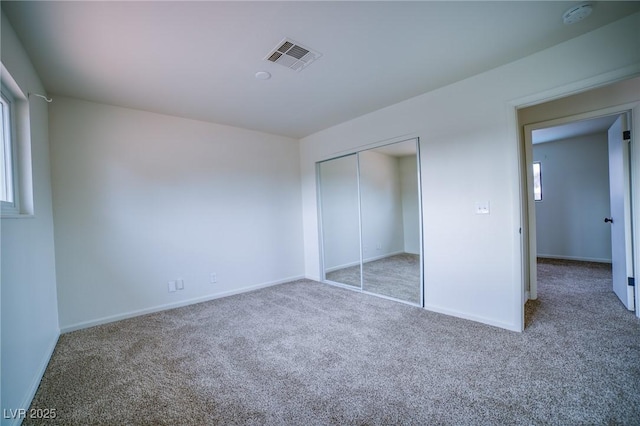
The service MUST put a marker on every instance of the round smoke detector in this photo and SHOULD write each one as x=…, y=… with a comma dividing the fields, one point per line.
x=263, y=75
x=577, y=13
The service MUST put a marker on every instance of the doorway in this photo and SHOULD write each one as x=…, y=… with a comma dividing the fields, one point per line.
x=579, y=186
x=580, y=182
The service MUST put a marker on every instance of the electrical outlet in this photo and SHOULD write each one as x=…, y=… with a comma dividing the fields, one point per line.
x=213, y=278
x=180, y=284
x=482, y=207
x=172, y=286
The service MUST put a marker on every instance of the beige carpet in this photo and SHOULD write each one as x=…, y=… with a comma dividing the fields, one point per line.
x=313, y=354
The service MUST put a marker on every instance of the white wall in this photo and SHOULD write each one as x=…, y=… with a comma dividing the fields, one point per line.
x=469, y=153
x=410, y=203
x=613, y=95
x=141, y=199
x=28, y=306
x=381, y=204
x=575, y=199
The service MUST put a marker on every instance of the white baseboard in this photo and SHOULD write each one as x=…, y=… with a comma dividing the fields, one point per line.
x=367, y=260
x=346, y=265
x=35, y=383
x=483, y=320
x=132, y=314
x=313, y=277
x=382, y=256
x=577, y=258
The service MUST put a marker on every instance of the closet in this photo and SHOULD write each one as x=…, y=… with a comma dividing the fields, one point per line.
x=370, y=220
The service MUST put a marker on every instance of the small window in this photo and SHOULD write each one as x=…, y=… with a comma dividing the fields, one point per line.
x=537, y=182
x=16, y=178
x=7, y=154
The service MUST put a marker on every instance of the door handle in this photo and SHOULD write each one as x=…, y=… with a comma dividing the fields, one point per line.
x=608, y=220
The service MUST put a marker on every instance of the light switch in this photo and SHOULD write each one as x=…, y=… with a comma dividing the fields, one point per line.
x=482, y=207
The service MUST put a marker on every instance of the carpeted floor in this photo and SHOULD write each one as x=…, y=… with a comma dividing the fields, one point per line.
x=310, y=353
x=395, y=276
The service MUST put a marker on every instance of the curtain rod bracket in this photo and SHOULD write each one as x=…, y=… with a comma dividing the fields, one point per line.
x=49, y=100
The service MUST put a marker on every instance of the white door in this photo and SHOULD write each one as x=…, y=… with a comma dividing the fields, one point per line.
x=620, y=217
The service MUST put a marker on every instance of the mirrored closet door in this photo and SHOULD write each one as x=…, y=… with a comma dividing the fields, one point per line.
x=373, y=196
x=340, y=212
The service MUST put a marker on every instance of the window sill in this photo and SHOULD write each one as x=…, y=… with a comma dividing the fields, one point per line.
x=17, y=216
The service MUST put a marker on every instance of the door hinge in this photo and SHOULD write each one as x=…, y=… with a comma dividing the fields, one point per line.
x=631, y=281
x=626, y=135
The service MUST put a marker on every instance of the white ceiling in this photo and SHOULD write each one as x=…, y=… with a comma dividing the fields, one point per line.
x=198, y=59
x=573, y=129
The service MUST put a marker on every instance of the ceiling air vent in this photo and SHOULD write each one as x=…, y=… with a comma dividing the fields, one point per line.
x=292, y=54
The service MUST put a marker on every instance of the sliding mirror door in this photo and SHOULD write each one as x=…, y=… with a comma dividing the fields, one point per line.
x=340, y=220
x=390, y=220
x=370, y=221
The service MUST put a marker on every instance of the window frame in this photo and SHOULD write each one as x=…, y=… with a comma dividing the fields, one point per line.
x=539, y=178
x=10, y=153
x=22, y=206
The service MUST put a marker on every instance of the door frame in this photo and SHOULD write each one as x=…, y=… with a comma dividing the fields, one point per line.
x=529, y=246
